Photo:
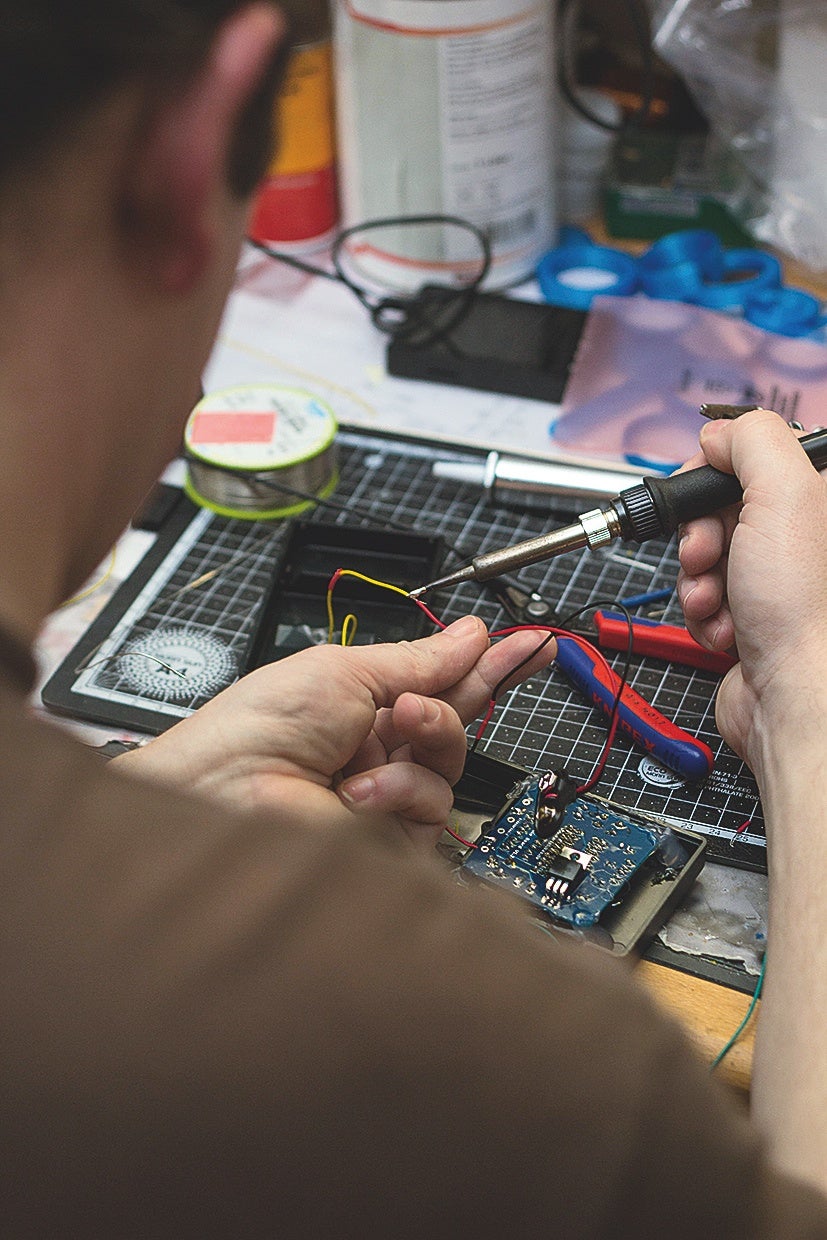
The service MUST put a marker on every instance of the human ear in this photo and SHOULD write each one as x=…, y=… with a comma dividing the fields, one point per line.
x=175, y=183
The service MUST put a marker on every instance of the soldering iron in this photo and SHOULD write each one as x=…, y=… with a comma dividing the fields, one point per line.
x=653, y=508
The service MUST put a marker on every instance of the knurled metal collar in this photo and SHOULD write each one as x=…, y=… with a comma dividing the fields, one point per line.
x=641, y=513
x=596, y=528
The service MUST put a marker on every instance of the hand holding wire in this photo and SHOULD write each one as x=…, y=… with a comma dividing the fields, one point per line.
x=298, y=735
x=584, y=664
x=415, y=750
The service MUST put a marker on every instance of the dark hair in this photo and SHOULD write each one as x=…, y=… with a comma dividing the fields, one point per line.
x=59, y=57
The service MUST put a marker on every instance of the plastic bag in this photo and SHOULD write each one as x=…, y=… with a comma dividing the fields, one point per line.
x=758, y=71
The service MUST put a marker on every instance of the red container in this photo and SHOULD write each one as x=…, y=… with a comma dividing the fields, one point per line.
x=296, y=205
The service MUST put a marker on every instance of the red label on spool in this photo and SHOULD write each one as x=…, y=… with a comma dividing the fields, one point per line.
x=239, y=427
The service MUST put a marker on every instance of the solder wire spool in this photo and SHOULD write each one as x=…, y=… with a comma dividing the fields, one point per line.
x=243, y=444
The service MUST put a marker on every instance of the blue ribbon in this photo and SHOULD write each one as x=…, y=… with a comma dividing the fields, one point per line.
x=690, y=266
x=622, y=267
x=786, y=311
x=697, y=247
x=761, y=270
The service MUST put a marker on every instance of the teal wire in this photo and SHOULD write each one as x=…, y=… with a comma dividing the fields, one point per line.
x=736, y=1035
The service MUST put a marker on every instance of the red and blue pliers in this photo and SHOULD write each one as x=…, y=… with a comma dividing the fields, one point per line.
x=583, y=666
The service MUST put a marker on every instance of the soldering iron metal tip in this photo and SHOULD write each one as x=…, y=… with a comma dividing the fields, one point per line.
x=467, y=573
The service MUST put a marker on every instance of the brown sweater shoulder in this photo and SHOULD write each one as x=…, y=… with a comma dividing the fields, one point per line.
x=219, y=1026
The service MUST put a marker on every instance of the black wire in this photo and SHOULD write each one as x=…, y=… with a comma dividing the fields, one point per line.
x=402, y=317
x=349, y=509
x=566, y=623
x=639, y=21
x=250, y=475
x=519, y=666
x=291, y=260
x=511, y=672
x=386, y=312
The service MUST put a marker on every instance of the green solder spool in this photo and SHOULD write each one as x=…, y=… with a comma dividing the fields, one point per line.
x=244, y=444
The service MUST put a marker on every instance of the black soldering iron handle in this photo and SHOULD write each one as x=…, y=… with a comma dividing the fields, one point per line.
x=657, y=506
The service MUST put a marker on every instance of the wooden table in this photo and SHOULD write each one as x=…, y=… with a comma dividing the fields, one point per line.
x=710, y=1012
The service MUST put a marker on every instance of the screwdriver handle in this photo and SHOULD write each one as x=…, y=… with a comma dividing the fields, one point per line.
x=657, y=506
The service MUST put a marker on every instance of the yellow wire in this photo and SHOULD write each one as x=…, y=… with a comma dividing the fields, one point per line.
x=78, y=598
x=331, y=623
x=383, y=585
x=350, y=620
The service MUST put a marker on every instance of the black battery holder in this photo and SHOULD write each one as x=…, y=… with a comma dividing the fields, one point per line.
x=490, y=342
x=294, y=616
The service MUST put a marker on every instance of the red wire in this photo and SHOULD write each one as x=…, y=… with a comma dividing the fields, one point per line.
x=527, y=628
x=585, y=644
x=440, y=624
x=486, y=720
x=460, y=840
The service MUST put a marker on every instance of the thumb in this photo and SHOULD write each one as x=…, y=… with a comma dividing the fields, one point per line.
x=428, y=666
x=762, y=450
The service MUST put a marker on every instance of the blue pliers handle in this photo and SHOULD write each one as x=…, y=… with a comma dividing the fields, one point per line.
x=645, y=726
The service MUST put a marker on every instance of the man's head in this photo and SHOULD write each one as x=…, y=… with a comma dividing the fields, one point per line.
x=133, y=133
x=57, y=59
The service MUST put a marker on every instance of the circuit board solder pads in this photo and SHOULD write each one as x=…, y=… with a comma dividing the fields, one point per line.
x=604, y=874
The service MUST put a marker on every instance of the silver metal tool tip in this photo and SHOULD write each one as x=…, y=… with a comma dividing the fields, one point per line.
x=468, y=573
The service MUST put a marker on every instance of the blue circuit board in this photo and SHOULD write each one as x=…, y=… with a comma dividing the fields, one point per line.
x=583, y=868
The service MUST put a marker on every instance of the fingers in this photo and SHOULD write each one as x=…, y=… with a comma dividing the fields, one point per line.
x=433, y=732
x=694, y=462
x=701, y=584
x=763, y=451
x=706, y=611
x=420, y=798
x=458, y=665
x=781, y=493
x=375, y=748
x=705, y=540
x=417, y=729
x=470, y=696
x=429, y=754
x=429, y=666
x=702, y=595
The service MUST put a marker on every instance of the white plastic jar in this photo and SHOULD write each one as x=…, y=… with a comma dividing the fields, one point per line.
x=446, y=106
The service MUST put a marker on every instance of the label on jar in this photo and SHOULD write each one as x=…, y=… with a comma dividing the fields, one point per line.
x=447, y=107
